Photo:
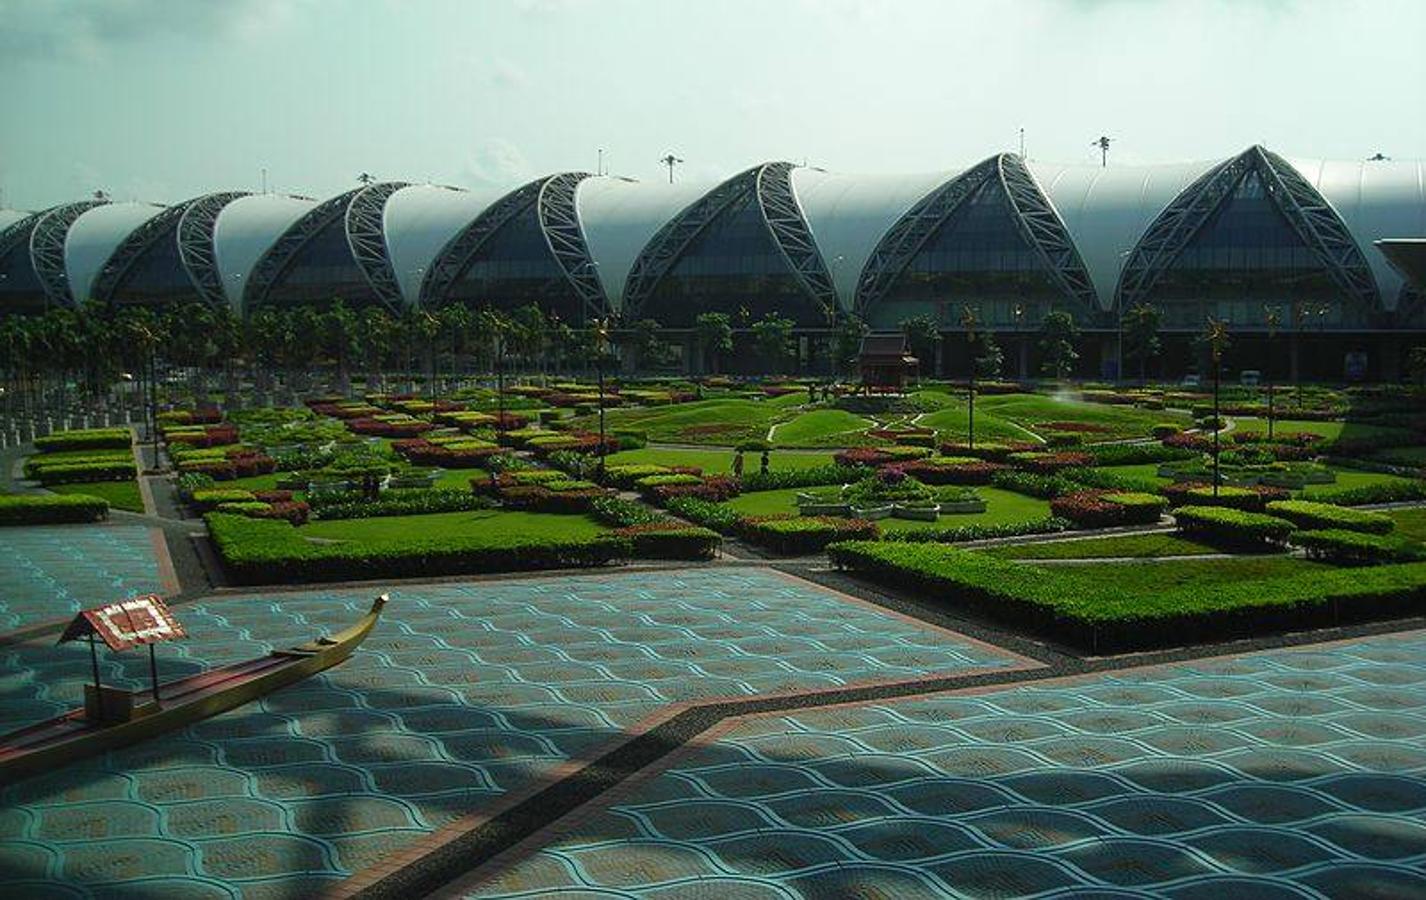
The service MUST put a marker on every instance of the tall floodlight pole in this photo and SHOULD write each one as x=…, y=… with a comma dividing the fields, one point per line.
x=670, y=161
x=968, y=322
x=1102, y=142
x=1217, y=341
x=1270, y=314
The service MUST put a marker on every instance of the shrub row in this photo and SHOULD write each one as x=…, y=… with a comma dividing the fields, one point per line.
x=958, y=534
x=707, y=513
x=1232, y=528
x=1136, y=454
x=1317, y=516
x=51, y=509
x=1392, y=492
x=1102, y=509
x=400, y=503
x=671, y=541
x=781, y=479
x=1344, y=547
x=78, y=473
x=257, y=551
x=1076, y=607
x=85, y=439
x=800, y=535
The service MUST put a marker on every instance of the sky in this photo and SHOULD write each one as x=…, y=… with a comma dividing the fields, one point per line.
x=159, y=100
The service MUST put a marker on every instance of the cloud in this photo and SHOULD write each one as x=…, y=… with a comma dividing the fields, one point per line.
x=89, y=29
x=499, y=162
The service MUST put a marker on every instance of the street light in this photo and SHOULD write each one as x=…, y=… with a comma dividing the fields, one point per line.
x=1217, y=341
x=968, y=321
x=1273, y=318
x=601, y=338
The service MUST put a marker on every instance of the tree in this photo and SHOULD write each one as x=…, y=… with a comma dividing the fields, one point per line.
x=1416, y=364
x=989, y=358
x=715, y=337
x=849, y=344
x=375, y=334
x=339, y=340
x=924, y=335
x=266, y=333
x=1140, y=333
x=650, y=351
x=773, y=336
x=1058, y=334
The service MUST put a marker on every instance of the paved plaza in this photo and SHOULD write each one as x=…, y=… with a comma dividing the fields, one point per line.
x=52, y=572
x=1297, y=773
x=466, y=695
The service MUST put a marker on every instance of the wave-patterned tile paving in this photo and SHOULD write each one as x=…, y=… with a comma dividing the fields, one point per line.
x=464, y=694
x=53, y=571
x=1280, y=774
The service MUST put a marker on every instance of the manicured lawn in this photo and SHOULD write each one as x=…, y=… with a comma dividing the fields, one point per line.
x=253, y=483
x=120, y=494
x=1001, y=507
x=1138, y=546
x=717, y=461
x=1035, y=410
x=1410, y=523
x=824, y=428
x=459, y=479
x=952, y=421
x=1194, y=574
x=1352, y=478
x=713, y=422
x=497, y=527
x=1349, y=430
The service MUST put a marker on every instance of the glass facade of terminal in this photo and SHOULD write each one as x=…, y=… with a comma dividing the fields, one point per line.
x=157, y=277
x=514, y=268
x=323, y=271
x=733, y=266
x=1246, y=255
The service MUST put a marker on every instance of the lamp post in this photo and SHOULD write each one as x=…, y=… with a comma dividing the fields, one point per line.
x=1018, y=313
x=968, y=321
x=1273, y=319
x=1217, y=341
x=601, y=338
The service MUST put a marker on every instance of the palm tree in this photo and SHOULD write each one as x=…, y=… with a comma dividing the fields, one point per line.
x=339, y=334
x=375, y=335
x=455, y=323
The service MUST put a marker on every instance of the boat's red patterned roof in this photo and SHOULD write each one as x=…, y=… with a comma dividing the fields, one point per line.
x=127, y=623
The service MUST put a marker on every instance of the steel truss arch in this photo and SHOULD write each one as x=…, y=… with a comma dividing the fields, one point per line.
x=280, y=256
x=559, y=222
x=132, y=247
x=1040, y=224
x=915, y=228
x=47, y=249
x=195, y=244
x=17, y=232
x=790, y=231
x=1309, y=214
x=668, y=244
x=458, y=252
x=366, y=236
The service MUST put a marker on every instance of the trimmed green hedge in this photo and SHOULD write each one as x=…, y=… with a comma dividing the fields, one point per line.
x=51, y=509
x=781, y=479
x=804, y=534
x=1388, y=492
x=414, y=502
x=265, y=551
x=961, y=533
x=1221, y=526
x=1316, y=516
x=79, y=472
x=662, y=542
x=85, y=439
x=1343, y=547
x=1076, y=607
x=718, y=516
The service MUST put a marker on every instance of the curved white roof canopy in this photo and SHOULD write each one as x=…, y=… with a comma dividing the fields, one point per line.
x=1107, y=210
x=849, y=214
x=419, y=220
x=1376, y=199
x=93, y=238
x=619, y=217
x=245, y=229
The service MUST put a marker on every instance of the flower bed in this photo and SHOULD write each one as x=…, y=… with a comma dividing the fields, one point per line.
x=1049, y=463
x=398, y=503
x=65, y=472
x=462, y=454
x=988, y=450
x=952, y=470
x=716, y=488
x=877, y=456
x=1106, y=509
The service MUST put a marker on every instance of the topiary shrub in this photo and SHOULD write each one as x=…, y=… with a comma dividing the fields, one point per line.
x=51, y=509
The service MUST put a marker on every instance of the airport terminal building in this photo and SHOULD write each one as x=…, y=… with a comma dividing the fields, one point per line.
x=1335, y=247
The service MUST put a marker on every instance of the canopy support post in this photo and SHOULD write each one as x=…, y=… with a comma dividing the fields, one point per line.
x=153, y=672
x=94, y=662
